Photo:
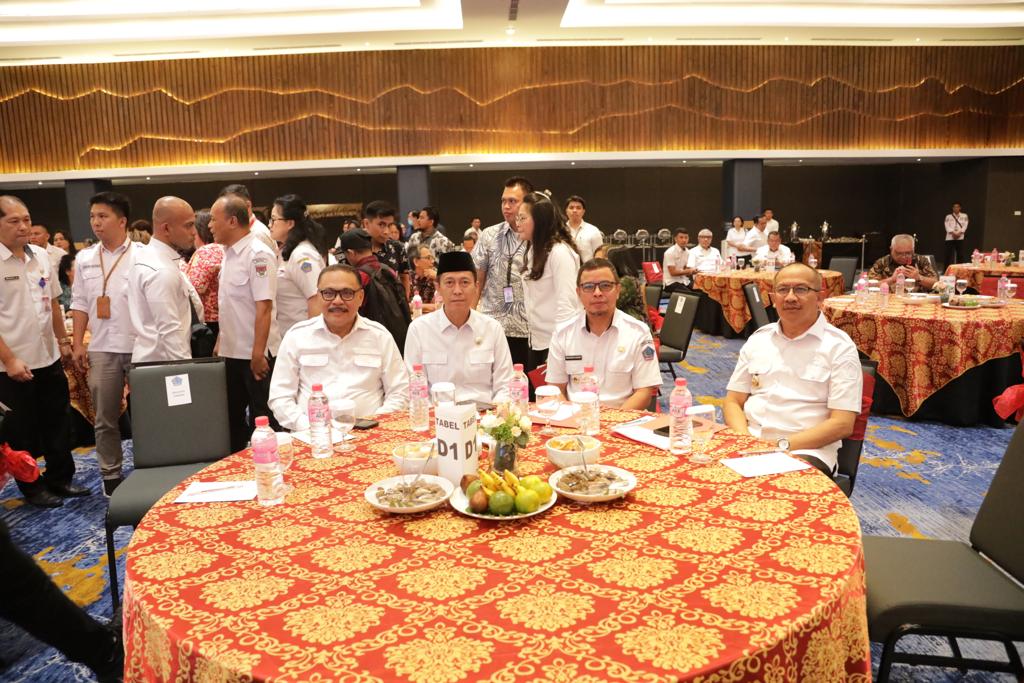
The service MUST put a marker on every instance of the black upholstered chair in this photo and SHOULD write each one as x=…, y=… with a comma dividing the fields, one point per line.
x=951, y=589
x=652, y=295
x=677, y=328
x=758, y=312
x=851, y=447
x=169, y=444
x=847, y=265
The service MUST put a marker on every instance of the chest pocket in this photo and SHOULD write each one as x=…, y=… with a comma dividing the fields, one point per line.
x=435, y=358
x=817, y=371
x=481, y=357
x=621, y=364
x=367, y=358
x=239, y=278
x=760, y=374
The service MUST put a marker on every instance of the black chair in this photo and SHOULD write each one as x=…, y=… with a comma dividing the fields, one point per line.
x=758, y=313
x=847, y=265
x=850, y=448
x=677, y=328
x=652, y=296
x=951, y=589
x=169, y=443
x=930, y=258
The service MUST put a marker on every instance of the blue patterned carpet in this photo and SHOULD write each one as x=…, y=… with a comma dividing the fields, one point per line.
x=916, y=479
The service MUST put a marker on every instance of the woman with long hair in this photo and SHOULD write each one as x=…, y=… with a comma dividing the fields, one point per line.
x=301, y=260
x=61, y=239
x=549, y=271
x=204, y=269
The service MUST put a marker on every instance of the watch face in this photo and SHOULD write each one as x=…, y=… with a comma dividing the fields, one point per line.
x=784, y=444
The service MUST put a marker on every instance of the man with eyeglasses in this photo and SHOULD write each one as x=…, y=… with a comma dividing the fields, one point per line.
x=352, y=357
x=617, y=345
x=703, y=258
x=458, y=344
x=797, y=382
x=901, y=259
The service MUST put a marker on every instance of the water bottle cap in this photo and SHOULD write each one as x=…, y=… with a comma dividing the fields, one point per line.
x=518, y=367
x=680, y=381
x=417, y=367
x=318, y=387
x=588, y=368
x=262, y=421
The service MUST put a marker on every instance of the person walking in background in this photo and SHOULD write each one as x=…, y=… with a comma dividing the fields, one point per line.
x=378, y=217
x=956, y=226
x=301, y=239
x=586, y=236
x=204, y=269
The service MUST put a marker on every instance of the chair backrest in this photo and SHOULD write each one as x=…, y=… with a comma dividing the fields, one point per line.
x=194, y=432
x=538, y=376
x=998, y=529
x=847, y=265
x=679, y=318
x=756, y=306
x=851, y=447
x=652, y=271
x=931, y=261
x=652, y=296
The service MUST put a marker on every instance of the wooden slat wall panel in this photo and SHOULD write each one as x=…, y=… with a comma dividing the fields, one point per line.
x=556, y=99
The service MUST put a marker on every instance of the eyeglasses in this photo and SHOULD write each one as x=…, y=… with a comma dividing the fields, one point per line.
x=799, y=290
x=345, y=294
x=605, y=286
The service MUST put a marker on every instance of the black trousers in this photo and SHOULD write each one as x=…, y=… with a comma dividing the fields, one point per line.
x=519, y=347
x=954, y=252
x=247, y=400
x=40, y=422
x=677, y=287
x=29, y=599
x=536, y=359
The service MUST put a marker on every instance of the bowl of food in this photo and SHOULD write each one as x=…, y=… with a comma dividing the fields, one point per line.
x=411, y=456
x=409, y=493
x=564, y=450
x=592, y=484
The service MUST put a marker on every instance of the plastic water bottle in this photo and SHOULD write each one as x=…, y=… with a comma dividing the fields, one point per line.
x=320, y=423
x=732, y=262
x=812, y=261
x=419, y=400
x=269, y=479
x=975, y=257
x=860, y=291
x=680, y=428
x=995, y=255
x=901, y=284
x=883, y=295
x=519, y=390
x=588, y=397
x=417, y=305
x=1001, y=293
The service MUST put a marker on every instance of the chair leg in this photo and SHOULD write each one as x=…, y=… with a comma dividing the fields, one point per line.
x=956, y=652
x=1011, y=653
x=112, y=570
x=885, y=663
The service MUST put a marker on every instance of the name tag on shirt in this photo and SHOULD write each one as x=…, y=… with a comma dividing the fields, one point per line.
x=103, y=307
x=576, y=357
x=12, y=277
x=509, y=296
x=316, y=360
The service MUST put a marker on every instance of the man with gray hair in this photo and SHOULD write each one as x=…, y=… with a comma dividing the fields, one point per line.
x=703, y=258
x=901, y=259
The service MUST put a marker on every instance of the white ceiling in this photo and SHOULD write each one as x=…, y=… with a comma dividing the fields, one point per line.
x=70, y=31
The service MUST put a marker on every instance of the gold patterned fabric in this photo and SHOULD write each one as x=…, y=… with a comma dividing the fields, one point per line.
x=727, y=290
x=697, y=574
x=976, y=274
x=922, y=347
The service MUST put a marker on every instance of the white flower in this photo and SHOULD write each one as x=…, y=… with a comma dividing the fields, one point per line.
x=525, y=423
x=489, y=421
x=516, y=432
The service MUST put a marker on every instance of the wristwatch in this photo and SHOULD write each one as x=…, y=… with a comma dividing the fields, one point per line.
x=783, y=444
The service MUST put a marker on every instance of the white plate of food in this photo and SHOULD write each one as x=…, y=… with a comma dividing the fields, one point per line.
x=460, y=502
x=393, y=494
x=920, y=298
x=595, y=484
x=966, y=302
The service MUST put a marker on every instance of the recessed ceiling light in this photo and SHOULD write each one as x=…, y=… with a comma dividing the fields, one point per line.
x=147, y=178
x=650, y=39
x=471, y=165
x=572, y=163
x=919, y=160
x=786, y=38
x=917, y=40
x=801, y=161
x=510, y=30
x=366, y=44
x=358, y=170
x=255, y=172
x=40, y=182
x=684, y=161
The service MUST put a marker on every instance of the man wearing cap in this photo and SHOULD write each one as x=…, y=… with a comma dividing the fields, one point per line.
x=384, y=296
x=617, y=345
x=458, y=344
x=352, y=357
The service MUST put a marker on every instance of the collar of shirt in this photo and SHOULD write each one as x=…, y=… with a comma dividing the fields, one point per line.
x=320, y=324
x=120, y=248
x=816, y=330
x=242, y=244
x=164, y=250
x=443, y=322
x=6, y=253
x=584, y=323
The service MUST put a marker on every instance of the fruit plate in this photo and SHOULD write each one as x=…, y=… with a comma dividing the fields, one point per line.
x=371, y=491
x=619, y=490
x=461, y=505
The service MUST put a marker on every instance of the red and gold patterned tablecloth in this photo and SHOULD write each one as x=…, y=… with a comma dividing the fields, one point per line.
x=975, y=274
x=922, y=347
x=697, y=574
x=727, y=290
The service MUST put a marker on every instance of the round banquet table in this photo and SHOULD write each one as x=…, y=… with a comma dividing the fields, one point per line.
x=697, y=573
x=975, y=275
x=920, y=348
x=727, y=290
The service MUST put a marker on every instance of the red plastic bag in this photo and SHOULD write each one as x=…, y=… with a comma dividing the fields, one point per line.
x=19, y=464
x=1011, y=401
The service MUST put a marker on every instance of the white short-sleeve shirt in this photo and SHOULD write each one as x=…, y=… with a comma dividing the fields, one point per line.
x=623, y=357
x=784, y=254
x=364, y=366
x=735, y=235
x=248, y=275
x=792, y=384
x=552, y=299
x=114, y=334
x=677, y=257
x=159, y=305
x=26, y=314
x=588, y=238
x=296, y=282
x=755, y=239
x=704, y=260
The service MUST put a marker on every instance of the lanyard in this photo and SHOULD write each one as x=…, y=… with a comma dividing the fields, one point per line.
x=106, y=275
x=511, y=258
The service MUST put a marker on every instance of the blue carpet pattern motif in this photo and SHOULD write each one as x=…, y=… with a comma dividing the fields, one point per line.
x=916, y=479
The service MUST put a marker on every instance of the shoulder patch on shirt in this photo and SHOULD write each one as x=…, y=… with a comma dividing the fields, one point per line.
x=306, y=266
x=648, y=352
x=261, y=268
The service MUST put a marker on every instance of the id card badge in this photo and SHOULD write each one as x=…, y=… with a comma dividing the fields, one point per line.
x=509, y=297
x=103, y=307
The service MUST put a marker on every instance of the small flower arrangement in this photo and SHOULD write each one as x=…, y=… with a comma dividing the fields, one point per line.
x=508, y=427
x=1007, y=257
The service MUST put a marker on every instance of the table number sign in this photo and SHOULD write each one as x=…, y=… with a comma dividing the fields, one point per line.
x=455, y=426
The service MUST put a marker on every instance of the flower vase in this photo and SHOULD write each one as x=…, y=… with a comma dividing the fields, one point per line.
x=504, y=458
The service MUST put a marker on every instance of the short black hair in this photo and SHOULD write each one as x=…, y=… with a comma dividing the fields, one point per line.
x=432, y=214
x=679, y=231
x=115, y=200
x=379, y=209
x=574, y=198
x=235, y=206
x=597, y=264
x=236, y=189
x=522, y=182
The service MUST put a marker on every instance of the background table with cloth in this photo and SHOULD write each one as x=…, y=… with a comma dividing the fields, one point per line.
x=975, y=275
x=696, y=572
x=924, y=348
x=727, y=290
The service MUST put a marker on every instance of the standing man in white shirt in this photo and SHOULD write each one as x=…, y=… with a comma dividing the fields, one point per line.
x=256, y=226
x=757, y=236
x=40, y=237
x=248, y=330
x=456, y=343
x=99, y=303
x=675, y=276
x=158, y=297
x=587, y=237
x=956, y=226
x=617, y=345
x=775, y=250
x=703, y=258
x=797, y=382
x=32, y=381
x=352, y=357
x=770, y=224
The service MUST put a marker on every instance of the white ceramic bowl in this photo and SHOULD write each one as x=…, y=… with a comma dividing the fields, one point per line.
x=416, y=453
x=563, y=451
x=618, y=491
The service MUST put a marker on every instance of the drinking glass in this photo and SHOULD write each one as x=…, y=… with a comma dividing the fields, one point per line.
x=1011, y=291
x=549, y=400
x=961, y=286
x=442, y=393
x=909, y=285
x=704, y=418
x=343, y=414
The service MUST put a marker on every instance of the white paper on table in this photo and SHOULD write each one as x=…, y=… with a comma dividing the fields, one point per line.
x=178, y=391
x=565, y=411
x=635, y=432
x=217, y=492
x=305, y=437
x=769, y=463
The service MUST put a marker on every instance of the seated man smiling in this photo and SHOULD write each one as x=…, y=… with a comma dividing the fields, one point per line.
x=797, y=382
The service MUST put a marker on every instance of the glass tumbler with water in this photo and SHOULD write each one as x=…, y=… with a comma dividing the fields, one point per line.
x=703, y=419
x=343, y=415
x=549, y=400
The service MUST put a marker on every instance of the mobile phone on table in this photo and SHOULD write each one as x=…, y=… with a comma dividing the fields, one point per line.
x=365, y=423
x=662, y=431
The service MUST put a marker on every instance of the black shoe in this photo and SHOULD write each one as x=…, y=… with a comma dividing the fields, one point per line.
x=42, y=498
x=111, y=669
x=110, y=484
x=68, y=490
